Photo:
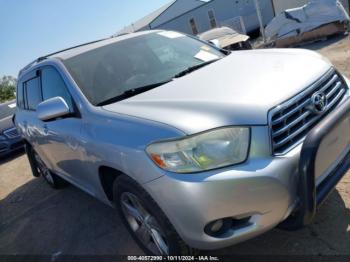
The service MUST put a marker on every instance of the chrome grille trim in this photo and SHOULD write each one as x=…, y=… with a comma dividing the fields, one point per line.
x=11, y=133
x=290, y=125
x=291, y=112
x=290, y=122
x=3, y=147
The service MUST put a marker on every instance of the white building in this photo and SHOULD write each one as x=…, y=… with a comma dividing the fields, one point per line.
x=197, y=16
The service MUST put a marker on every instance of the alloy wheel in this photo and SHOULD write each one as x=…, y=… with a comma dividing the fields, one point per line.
x=143, y=224
x=43, y=170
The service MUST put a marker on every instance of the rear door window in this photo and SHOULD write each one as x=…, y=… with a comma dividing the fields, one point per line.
x=19, y=94
x=33, y=93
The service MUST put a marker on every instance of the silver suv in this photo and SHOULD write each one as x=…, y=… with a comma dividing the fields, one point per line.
x=196, y=147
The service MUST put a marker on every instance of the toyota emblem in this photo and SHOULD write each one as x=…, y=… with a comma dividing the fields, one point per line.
x=319, y=102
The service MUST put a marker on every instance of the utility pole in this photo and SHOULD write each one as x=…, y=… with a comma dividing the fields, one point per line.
x=260, y=18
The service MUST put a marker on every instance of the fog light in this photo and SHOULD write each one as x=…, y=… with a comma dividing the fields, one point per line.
x=217, y=225
x=224, y=226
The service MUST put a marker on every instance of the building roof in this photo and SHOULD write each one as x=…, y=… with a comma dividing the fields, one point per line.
x=164, y=14
x=177, y=9
x=145, y=21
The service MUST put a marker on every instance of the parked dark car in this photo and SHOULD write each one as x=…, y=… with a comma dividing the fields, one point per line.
x=10, y=140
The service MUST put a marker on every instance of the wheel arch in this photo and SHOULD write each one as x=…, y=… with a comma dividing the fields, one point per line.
x=107, y=176
x=26, y=143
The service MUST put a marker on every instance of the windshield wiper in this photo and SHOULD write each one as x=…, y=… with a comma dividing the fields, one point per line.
x=194, y=68
x=139, y=90
x=132, y=92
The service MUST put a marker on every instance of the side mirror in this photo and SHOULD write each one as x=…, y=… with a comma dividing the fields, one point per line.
x=216, y=42
x=52, y=108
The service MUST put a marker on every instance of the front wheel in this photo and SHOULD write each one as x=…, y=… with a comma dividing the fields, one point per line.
x=146, y=222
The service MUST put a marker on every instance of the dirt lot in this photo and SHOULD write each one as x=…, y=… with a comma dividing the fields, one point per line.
x=35, y=219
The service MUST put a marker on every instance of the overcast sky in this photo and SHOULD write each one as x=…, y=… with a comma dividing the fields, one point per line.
x=32, y=28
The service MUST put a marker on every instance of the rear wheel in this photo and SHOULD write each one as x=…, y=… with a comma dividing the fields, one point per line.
x=146, y=222
x=40, y=169
x=31, y=159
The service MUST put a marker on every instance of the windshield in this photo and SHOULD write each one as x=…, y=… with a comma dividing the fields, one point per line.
x=110, y=71
x=7, y=110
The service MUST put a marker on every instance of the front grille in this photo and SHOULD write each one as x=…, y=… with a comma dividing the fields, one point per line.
x=16, y=145
x=291, y=121
x=3, y=147
x=11, y=133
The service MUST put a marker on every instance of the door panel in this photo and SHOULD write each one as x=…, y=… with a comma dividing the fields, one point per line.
x=62, y=146
x=61, y=137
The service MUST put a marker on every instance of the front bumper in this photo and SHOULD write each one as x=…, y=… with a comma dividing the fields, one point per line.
x=264, y=190
x=10, y=145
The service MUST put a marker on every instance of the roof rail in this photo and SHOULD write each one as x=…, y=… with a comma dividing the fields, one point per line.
x=27, y=66
x=121, y=34
x=70, y=48
x=57, y=52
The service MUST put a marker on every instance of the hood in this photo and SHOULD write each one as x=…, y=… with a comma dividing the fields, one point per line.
x=6, y=123
x=239, y=89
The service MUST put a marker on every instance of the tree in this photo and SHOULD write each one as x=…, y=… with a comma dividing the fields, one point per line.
x=7, y=88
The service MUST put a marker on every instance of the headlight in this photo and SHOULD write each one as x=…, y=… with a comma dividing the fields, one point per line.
x=202, y=152
x=2, y=138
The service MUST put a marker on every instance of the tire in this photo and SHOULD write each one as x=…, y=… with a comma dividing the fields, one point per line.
x=293, y=223
x=39, y=169
x=31, y=159
x=150, y=218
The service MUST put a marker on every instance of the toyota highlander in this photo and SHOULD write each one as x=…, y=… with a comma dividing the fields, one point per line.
x=197, y=147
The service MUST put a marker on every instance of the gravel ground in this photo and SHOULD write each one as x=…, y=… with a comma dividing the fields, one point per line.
x=35, y=219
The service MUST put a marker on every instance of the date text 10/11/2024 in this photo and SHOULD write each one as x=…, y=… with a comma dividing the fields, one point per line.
x=172, y=258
